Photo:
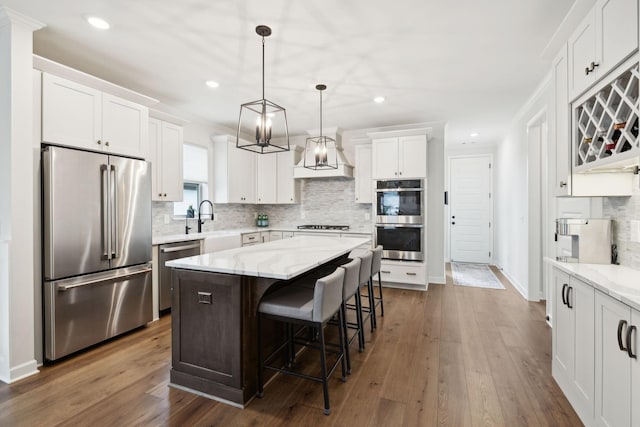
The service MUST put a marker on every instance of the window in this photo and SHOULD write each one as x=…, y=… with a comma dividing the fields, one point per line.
x=196, y=176
x=192, y=196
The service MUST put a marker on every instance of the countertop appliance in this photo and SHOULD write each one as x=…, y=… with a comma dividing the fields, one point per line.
x=96, y=247
x=584, y=240
x=323, y=227
x=170, y=252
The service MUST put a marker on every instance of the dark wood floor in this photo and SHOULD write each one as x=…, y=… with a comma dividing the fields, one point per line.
x=452, y=356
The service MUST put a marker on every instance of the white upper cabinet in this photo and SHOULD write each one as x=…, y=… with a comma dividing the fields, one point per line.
x=71, y=113
x=79, y=116
x=266, y=183
x=165, y=149
x=607, y=35
x=288, y=191
x=242, y=176
x=582, y=52
x=400, y=157
x=364, y=182
x=125, y=126
x=616, y=32
x=234, y=172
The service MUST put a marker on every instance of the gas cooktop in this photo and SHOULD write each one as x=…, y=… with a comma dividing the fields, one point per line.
x=323, y=227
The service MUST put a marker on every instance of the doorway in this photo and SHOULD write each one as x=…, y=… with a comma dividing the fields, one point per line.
x=470, y=208
x=537, y=190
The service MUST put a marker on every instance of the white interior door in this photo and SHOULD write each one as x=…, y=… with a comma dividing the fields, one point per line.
x=470, y=209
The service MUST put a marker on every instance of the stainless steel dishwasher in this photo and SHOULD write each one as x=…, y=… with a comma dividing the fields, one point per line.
x=170, y=252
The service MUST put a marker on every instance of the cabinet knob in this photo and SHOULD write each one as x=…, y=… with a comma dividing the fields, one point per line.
x=563, y=184
x=587, y=71
x=106, y=143
x=399, y=173
x=165, y=194
x=99, y=142
x=159, y=194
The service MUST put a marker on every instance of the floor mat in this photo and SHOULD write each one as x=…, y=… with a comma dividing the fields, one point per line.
x=474, y=275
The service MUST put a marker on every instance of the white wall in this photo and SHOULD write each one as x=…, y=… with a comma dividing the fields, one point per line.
x=511, y=192
x=16, y=197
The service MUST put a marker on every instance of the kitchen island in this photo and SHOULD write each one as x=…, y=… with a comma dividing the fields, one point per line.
x=214, y=304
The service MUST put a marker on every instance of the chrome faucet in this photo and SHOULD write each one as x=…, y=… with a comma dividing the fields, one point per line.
x=201, y=221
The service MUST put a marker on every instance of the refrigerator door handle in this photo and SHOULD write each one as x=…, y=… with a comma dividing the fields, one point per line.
x=115, y=223
x=121, y=277
x=106, y=241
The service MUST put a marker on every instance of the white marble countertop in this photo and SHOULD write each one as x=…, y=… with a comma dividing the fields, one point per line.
x=172, y=238
x=619, y=282
x=280, y=259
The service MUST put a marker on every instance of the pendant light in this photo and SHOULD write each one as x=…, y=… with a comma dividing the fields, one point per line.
x=323, y=147
x=261, y=116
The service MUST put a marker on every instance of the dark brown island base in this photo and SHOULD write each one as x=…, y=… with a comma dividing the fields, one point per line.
x=214, y=304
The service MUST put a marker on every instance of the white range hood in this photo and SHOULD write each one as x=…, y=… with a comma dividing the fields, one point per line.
x=345, y=169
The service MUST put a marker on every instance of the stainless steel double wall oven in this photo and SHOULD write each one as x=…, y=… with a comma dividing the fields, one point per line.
x=399, y=210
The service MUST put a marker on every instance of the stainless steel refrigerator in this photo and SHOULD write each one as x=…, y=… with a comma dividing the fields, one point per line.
x=96, y=247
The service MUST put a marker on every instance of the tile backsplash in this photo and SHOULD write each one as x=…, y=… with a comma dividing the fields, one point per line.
x=323, y=201
x=622, y=210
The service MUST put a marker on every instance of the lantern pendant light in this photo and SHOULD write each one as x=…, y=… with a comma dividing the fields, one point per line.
x=263, y=114
x=325, y=154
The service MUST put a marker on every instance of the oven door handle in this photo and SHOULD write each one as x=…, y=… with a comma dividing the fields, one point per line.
x=395, y=190
x=399, y=225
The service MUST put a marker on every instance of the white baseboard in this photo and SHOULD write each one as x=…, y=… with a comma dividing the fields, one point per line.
x=440, y=280
x=22, y=371
x=407, y=286
x=521, y=289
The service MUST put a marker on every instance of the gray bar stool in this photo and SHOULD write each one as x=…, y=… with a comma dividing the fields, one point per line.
x=350, y=290
x=308, y=307
x=376, y=265
x=366, y=260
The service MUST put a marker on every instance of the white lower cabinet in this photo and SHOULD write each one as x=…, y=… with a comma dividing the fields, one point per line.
x=595, y=347
x=573, y=342
x=413, y=273
x=617, y=368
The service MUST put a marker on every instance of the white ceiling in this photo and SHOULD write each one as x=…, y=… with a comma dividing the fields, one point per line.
x=471, y=63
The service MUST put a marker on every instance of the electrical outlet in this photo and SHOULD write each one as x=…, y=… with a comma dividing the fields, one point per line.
x=367, y=216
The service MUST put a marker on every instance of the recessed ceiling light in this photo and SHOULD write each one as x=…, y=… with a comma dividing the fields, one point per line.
x=98, y=22
x=474, y=134
x=212, y=84
x=378, y=99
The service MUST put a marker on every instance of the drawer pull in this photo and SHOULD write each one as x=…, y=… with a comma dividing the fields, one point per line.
x=385, y=271
x=410, y=274
x=621, y=324
x=630, y=330
x=251, y=238
x=205, y=297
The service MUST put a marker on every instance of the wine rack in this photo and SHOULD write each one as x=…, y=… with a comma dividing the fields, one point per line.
x=606, y=123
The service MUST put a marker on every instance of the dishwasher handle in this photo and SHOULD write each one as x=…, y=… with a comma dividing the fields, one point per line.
x=179, y=248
